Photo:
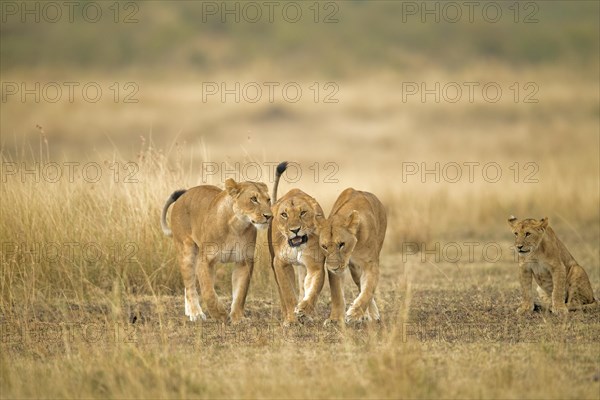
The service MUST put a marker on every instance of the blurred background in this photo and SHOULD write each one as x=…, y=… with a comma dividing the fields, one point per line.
x=455, y=114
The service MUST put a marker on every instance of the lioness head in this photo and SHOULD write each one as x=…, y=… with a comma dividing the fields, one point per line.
x=296, y=219
x=528, y=233
x=337, y=240
x=251, y=201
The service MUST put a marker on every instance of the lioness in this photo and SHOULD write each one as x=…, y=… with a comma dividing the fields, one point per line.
x=561, y=281
x=211, y=225
x=294, y=241
x=352, y=237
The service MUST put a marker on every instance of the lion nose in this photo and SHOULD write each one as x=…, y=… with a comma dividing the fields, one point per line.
x=268, y=216
x=519, y=246
x=295, y=230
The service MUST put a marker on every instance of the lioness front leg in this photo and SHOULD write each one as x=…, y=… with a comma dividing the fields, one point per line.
x=313, y=284
x=368, y=284
x=284, y=274
x=240, y=281
x=338, y=302
x=559, y=289
x=205, y=270
x=525, y=277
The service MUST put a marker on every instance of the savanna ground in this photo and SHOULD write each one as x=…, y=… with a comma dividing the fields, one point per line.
x=91, y=300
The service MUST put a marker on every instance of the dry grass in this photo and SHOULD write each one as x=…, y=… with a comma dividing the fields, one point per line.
x=449, y=328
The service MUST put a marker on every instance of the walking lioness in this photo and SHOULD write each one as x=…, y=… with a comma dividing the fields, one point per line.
x=210, y=225
x=352, y=237
x=294, y=242
x=561, y=281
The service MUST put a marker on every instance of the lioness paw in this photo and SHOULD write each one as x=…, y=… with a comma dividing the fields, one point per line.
x=333, y=322
x=356, y=316
x=290, y=323
x=302, y=316
x=525, y=308
x=194, y=317
x=193, y=310
x=218, y=312
x=560, y=310
x=357, y=321
x=237, y=320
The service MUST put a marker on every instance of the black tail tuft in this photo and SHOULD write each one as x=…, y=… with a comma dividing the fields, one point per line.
x=163, y=218
x=282, y=167
x=280, y=170
x=177, y=194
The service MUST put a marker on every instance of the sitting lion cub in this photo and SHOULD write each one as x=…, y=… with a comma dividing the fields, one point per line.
x=211, y=225
x=561, y=281
x=352, y=237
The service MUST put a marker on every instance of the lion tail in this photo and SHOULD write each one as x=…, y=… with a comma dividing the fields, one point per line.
x=280, y=170
x=163, y=218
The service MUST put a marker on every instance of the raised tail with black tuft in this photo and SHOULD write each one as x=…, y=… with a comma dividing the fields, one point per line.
x=280, y=170
x=163, y=219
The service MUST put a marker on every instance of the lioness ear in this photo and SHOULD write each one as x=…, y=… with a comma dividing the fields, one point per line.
x=233, y=188
x=512, y=220
x=544, y=222
x=319, y=220
x=352, y=222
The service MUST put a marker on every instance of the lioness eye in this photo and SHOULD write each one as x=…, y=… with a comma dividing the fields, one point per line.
x=341, y=245
x=516, y=234
x=324, y=246
x=284, y=215
x=527, y=233
x=254, y=199
x=302, y=213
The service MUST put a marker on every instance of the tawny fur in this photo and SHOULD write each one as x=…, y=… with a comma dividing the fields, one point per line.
x=296, y=211
x=352, y=238
x=209, y=226
x=562, y=282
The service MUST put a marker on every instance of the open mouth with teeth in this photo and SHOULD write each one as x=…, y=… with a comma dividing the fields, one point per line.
x=297, y=241
x=521, y=251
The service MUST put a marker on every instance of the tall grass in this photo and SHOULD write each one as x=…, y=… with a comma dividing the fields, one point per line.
x=79, y=256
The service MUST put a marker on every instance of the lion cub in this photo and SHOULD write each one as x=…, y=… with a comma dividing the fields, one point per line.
x=561, y=281
x=352, y=237
x=211, y=225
